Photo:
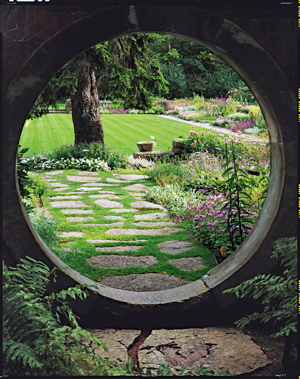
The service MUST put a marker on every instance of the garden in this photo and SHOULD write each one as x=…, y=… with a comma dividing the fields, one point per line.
x=95, y=205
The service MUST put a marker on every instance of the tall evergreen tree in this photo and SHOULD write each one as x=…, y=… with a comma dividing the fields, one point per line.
x=123, y=68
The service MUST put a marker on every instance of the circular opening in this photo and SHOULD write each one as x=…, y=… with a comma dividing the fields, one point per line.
x=222, y=33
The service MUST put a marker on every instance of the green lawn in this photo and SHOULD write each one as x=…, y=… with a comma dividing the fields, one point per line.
x=120, y=131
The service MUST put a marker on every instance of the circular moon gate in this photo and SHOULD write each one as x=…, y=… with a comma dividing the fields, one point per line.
x=270, y=87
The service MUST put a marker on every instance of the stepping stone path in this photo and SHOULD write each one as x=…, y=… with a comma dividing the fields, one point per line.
x=141, y=223
x=121, y=260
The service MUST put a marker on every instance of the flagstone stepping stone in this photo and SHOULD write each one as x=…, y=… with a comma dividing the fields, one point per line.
x=108, y=203
x=57, y=172
x=131, y=176
x=123, y=210
x=77, y=219
x=87, y=173
x=71, y=234
x=145, y=223
x=136, y=194
x=144, y=282
x=113, y=260
x=104, y=184
x=114, y=241
x=50, y=180
x=152, y=216
x=175, y=247
x=93, y=184
x=73, y=193
x=62, y=189
x=112, y=192
x=188, y=264
x=76, y=211
x=140, y=197
x=109, y=249
x=115, y=218
x=68, y=204
x=82, y=179
x=110, y=180
x=105, y=196
x=64, y=197
x=146, y=205
x=89, y=189
x=136, y=187
x=111, y=224
x=147, y=232
x=59, y=185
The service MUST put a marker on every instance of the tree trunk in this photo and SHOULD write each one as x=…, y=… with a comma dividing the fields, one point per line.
x=85, y=106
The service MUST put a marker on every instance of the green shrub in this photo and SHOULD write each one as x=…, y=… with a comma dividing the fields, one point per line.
x=41, y=336
x=46, y=227
x=94, y=150
x=239, y=116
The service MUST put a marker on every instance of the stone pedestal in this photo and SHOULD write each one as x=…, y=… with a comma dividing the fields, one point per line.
x=146, y=145
x=150, y=155
x=178, y=145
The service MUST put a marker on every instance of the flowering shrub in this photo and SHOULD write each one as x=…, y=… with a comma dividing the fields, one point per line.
x=139, y=162
x=182, y=114
x=118, y=111
x=43, y=163
x=240, y=116
x=241, y=126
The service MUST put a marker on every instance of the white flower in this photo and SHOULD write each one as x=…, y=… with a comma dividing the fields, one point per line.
x=152, y=137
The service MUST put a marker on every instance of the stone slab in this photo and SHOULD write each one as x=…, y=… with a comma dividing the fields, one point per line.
x=80, y=219
x=114, y=241
x=152, y=216
x=136, y=194
x=151, y=154
x=144, y=282
x=82, y=179
x=56, y=172
x=113, y=260
x=136, y=187
x=64, y=197
x=146, y=205
x=68, y=204
x=175, y=247
x=123, y=210
x=152, y=224
x=188, y=264
x=216, y=348
x=131, y=176
x=115, y=218
x=61, y=189
x=111, y=192
x=146, y=232
x=226, y=349
x=77, y=211
x=87, y=173
x=111, y=180
x=89, y=188
x=59, y=185
x=110, y=249
x=111, y=224
x=71, y=234
x=105, y=196
x=108, y=203
x=93, y=184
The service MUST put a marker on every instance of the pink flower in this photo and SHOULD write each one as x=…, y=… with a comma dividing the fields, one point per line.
x=192, y=144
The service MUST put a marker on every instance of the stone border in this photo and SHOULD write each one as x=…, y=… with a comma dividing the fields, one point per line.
x=266, y=80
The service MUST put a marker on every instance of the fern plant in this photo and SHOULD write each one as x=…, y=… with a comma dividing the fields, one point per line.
x=35, y=340
x=278, y=294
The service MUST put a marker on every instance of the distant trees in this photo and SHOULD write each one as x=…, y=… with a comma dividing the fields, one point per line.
x=190, y=68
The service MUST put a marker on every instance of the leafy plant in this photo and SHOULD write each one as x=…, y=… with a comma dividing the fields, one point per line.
x=46, y=227
x=278, y=295
x=41, y=335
